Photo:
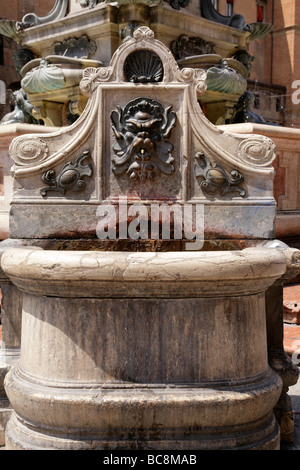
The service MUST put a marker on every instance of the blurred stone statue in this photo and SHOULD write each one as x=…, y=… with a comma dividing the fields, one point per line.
x=22, y=112
x=244, y=113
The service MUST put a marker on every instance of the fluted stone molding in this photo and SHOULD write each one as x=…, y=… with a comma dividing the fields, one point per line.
x=9, y=28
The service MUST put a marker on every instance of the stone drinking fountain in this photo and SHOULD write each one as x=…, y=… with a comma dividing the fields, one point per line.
x=132, y=339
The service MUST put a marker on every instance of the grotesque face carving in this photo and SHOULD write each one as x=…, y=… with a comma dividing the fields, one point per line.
x=141, y=129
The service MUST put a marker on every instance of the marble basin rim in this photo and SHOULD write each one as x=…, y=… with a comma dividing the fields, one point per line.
x=113, y=274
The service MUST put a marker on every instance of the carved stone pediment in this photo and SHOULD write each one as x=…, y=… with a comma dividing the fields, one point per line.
x=144, y=130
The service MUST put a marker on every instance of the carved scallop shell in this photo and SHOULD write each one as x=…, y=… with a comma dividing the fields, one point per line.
x=9, y=28
x=225, y=80
x=28, y=150
x=143, y=66
x=43, y=78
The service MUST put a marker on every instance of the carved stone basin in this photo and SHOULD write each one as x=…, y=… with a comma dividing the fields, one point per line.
x=125, y=350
